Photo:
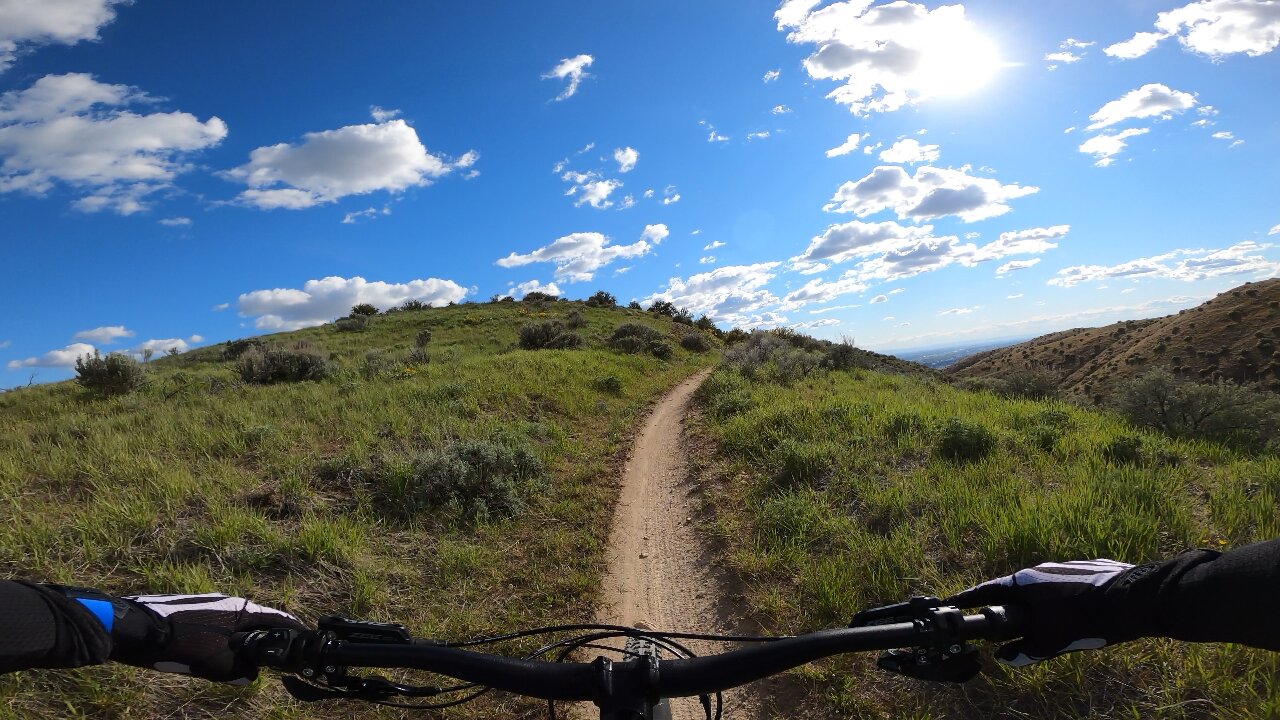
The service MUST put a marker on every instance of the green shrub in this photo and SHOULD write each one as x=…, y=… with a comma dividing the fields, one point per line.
x=1034, y=383
x=844, y=356
x=1123, y=450
x=480, y=480
x=412, y=306
x=114, y=374
x=377, y=363
x=602, y=299
x=548, y=336
x=610, y=384
x=695, y=342
x=633, y=305
x=683, y=317
x=273, y=364
x=802, y=463
x=538, y=297
x=419, y=356
x=423, y=337
x=964, y=441
x=661, y=350
x=903, y=424
x=575, y=320
x=633, y=338
x=354, y=323
x=236, y=348
x=663, y=307
x=1222, y=411
x=365, y=309
x=629, y=345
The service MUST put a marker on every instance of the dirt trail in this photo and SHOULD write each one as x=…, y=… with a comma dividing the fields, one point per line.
x=660, y=571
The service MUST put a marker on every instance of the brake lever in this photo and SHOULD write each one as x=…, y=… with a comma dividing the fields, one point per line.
x=942, y=660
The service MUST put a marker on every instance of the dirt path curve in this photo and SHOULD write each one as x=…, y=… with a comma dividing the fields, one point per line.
x=660, y=570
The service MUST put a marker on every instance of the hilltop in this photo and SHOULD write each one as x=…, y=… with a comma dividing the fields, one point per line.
x=1232, y=337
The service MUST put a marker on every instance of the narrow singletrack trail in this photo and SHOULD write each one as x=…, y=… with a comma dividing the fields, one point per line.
x=661, y=571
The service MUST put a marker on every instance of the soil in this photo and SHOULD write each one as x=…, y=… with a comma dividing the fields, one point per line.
x=661, y=570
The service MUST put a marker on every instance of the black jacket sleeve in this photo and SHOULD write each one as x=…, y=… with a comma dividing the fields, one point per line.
x=1206, y=596
x=43, y=628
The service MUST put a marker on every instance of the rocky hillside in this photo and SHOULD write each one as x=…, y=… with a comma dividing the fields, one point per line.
x=1235, y=336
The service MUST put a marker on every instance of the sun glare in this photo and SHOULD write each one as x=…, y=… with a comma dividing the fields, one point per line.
x=957, y=64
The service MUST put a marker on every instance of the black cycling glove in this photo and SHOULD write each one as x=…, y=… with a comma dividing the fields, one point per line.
x=1067, y=608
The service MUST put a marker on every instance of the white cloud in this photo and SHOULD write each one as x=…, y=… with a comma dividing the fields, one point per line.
x=320, y=301
x=858, y=239
x=1151, y=100
x=627, y=157
x=780, y=110
x=718, y=244
x=162, y=346
x=194, y=339
x=707, y=260
x=332, y=164
x=648, y=193
x=1275, y=230
x=1188, y=265
x=1223, y=135
x=1014, y=265
x=578, y=256
x=1074, y=43
x=352, y=217
x=590, y=188
x=849, y=145
x=221, y=306
x=1211, y=27
x=833, y=308
x=712, y=135
x=890, y=55
x=382, y=115
x=573, y=69
x=932, y=193
x=1064, y=56
x=524, y=288
x=734, y=294
x=1033, y=241
x=759, y=135
x=818, y=292
x=879, y=299
x=175, y=221
x=897, y=291
x=628, y=201
x=670, y=196
x=960, y=310
x=104, y=335
x=909, y=150
x=1203, y=122
x=771, y=75
x=64, y=358
x=810, y=268
x=1106, y=146
x=814, y=324
x=26, y=24
x=1013, y=297
x=74, y=130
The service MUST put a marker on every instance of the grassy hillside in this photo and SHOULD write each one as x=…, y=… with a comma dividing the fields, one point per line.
x=309, y=495
x=1231, y=337
x=842, y=490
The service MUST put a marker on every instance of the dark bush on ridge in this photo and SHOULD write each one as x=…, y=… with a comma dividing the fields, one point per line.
x=366, y=309
x=354, y=323
x=548, y=336
x=843, y=356
x=683, y=317
x=964, y=441
x=663, y=307
x=602, y=299
x=633, y=305
x=412, y=306
x=637, y=331
x=236, y=348
x=114, y=374
x=273, y=364
x=481, y=480
x=536, y=297
x=695, y=342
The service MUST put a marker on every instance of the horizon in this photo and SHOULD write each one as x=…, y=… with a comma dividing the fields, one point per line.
x=917, y=176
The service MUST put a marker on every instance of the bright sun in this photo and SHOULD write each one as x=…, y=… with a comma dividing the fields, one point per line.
x=956, y=63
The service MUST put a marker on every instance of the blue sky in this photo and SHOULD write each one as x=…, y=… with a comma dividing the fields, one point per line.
x=907, y=174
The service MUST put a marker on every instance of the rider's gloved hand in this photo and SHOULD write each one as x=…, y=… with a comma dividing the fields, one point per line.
x=1067, y=605
x=187, y=634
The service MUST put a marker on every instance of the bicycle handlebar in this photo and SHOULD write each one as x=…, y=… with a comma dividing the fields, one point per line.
x=323, y=654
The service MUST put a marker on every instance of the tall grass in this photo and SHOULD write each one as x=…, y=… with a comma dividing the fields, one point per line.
x=281, y=492
x=845, y=490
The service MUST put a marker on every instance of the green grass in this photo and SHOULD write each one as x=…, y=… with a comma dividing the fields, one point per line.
x=848, y=490
x=280, y=493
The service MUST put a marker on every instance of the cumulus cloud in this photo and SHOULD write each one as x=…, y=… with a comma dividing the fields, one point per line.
x=1033, y=241
x=1151, y=100
x=707, y=260
x=771, y=75
x=758, y=135
x=879, y=299
x=670, y=196
x=319, y=301
x=626, y=158
x=890, y=55
x=814, y=324
x=833, y=308
x=780, y=110
x=1106, y=146
x=857, y=239
x=1275, y=230
x=573, y=69
x=712, y=135
x=960, y=310
x=220, y=307
x=1188, y=265
x=1013, y=265
x=849, y=145
x=1069, y=51
x=72, y=129
x=578, y=256
x=931, y=193
x=819, y=292
x=332, y=164
x=104, y=335
x=381, y=115
x=524, y=288
x=25, y=25
x=734, y=294
x=717, y=244
x=351, y=217
x=64, y=358
x=590, y=188
x=1211, y=27
x=175, y=221
x=909, y=150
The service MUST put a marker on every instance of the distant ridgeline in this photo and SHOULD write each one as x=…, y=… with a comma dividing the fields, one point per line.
x=1233, y=337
